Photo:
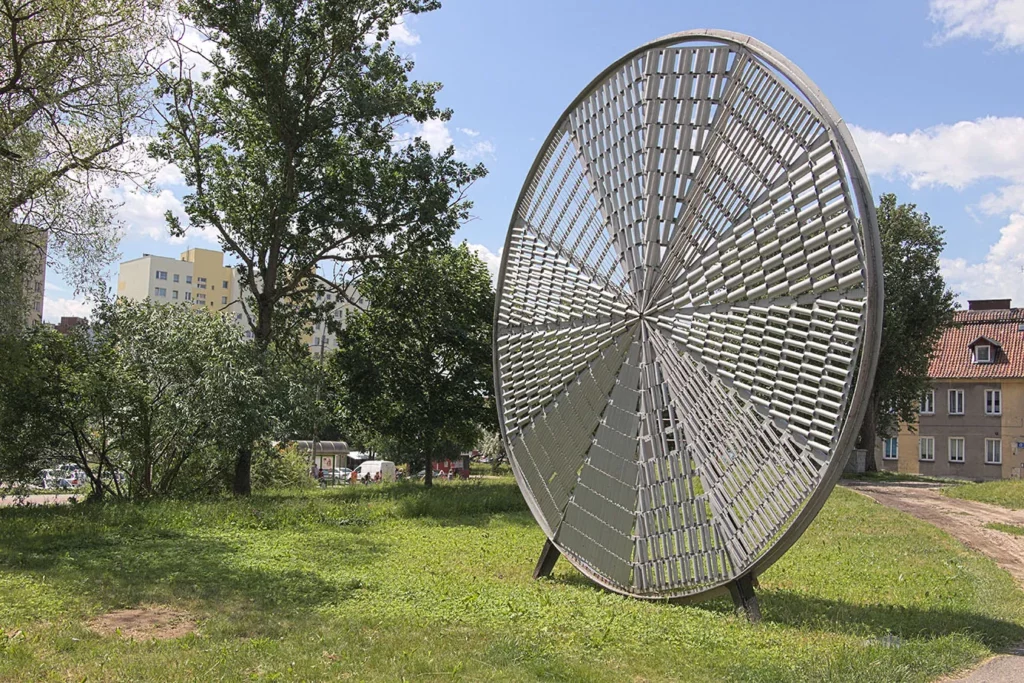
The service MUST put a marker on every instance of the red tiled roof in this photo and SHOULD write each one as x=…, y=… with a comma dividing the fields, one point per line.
x=952, y=359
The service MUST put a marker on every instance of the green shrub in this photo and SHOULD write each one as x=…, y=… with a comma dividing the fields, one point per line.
x=277, y=467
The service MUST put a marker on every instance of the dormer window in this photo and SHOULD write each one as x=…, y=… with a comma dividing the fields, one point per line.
x=982, y=353
x=984, y=350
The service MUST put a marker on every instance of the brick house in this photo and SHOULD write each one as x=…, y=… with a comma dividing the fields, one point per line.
x=971, y=423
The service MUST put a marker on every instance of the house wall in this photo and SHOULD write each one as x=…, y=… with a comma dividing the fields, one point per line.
x=974, y=426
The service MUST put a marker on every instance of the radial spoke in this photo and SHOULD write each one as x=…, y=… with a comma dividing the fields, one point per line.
x=676, y=134
x=597, y=524
x=793, y=360
x=559, y=208
x=755, y=473
x=763, y=132
x=608, y=129
x=550, y=448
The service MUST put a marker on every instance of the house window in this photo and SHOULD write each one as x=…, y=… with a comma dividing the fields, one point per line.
x=188, y=296
x=223, y=299
x=177, y=277
x=188, y=279
x=993, y=452
x=993, y=402
x=928, y=403
x=956, y=449
x=224, y=284
x=956, y=401
x=161, y=275
x=982, y=353
x=892, y=449
x=160, y=291
x=316, y=341
x=174, y=294
x=926, y=448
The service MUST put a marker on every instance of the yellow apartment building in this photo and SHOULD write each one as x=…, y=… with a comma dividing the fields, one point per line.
x=971, y=423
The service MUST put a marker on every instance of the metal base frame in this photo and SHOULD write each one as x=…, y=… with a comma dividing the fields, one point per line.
x=744, y=597
x=548, y=556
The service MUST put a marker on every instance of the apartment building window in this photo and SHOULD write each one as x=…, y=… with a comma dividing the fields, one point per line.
x=993, y=452
x=188, y=296
x=188, y=279
x=928, y=403
x=956, y=449
x=174, y=294
x=38, y=287
x=224, y=300
x=160, y=291
x=201, y=282
x=993, y=402
x=161, y=275
x=956, y=401
x=224, y=284
x=177, y=277
x=892, y=449
x=982, y=353
x=926, y=448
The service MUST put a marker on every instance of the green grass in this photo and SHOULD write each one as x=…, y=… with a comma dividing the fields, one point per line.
x=396, y=583
x=1006, y=528
x=1008, y=493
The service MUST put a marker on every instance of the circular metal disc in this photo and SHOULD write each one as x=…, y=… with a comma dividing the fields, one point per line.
x=688, y=316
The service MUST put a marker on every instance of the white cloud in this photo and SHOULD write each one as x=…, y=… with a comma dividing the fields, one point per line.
x=436, y=133
x=469, y=131
x=143, y=213
x=478, y=151
x=401, y=34
x=955, y=155
x=492, y=260
x=999, y=21
x=55, y=308
x=999, y=276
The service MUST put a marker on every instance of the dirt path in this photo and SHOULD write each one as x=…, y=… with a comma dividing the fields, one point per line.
x=36, y=499
x=963, y=519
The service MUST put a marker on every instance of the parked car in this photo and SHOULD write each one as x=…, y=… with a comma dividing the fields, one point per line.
x=342, y=474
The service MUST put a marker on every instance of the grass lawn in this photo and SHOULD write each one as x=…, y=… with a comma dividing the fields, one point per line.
x=1008, y=492
x=1006, y=528
x=397, y=583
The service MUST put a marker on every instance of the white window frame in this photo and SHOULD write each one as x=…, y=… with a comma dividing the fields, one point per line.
x=928, y=403
x=959, y=394
x=993, y=452
x=188, y=295
x=160, y=291
x=161, y=275
x=224, y=284
x=174, y=294
x=891, y=454
x=188, y=279
x=963, y=449
x=996, y=402
x=177, y=278
x=926, y=454
x=988, y=354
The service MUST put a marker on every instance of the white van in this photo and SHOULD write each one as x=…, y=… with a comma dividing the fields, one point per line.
x=372, y=467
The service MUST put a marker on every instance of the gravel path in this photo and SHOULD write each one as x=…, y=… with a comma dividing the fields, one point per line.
x=965, y=520
x=37, y=499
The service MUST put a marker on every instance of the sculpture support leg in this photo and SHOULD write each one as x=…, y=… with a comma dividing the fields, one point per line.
x=548, y=556
x=744, y=597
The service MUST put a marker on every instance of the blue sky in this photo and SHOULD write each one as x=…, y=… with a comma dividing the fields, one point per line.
x=931, y=88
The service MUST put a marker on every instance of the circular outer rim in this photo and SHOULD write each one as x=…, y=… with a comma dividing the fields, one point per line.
x=874, y=300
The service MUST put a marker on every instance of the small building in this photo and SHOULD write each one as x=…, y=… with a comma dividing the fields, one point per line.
x=971, y=423
x=326, y=454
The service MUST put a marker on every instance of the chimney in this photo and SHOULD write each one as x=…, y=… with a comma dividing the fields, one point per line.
x=988, y=305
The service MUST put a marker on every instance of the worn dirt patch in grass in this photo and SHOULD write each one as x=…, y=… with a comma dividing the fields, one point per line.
x=145, y=623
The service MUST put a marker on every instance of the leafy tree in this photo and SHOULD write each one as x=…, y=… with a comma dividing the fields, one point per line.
x=290, y=142
x=918, y=309
x=135, y=400
x=416, y=365
x=73, y=92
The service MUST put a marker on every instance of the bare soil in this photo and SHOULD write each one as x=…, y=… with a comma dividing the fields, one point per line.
x=963, y=519
x=145, y=623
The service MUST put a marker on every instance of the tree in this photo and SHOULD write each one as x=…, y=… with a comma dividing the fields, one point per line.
x=918, y=309
x=416, y=365
x=73, y=92
x=135, y=400
x=290, y=142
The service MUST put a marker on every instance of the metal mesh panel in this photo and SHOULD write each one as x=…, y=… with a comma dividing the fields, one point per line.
x=685, y=295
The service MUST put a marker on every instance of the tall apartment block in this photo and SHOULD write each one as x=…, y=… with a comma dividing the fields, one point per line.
x=199, y=277
x=971, y=423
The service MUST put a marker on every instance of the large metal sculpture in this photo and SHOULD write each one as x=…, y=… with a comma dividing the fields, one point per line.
x=688, y=318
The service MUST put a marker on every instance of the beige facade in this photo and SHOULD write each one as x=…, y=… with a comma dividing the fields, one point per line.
x=971, y=423
x=198, y=278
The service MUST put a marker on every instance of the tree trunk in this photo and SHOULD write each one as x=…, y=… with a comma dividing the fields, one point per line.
x=243, y=472
x=428, y=474
x=868, y=435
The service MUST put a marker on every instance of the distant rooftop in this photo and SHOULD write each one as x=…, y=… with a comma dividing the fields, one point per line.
x=986, y=320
